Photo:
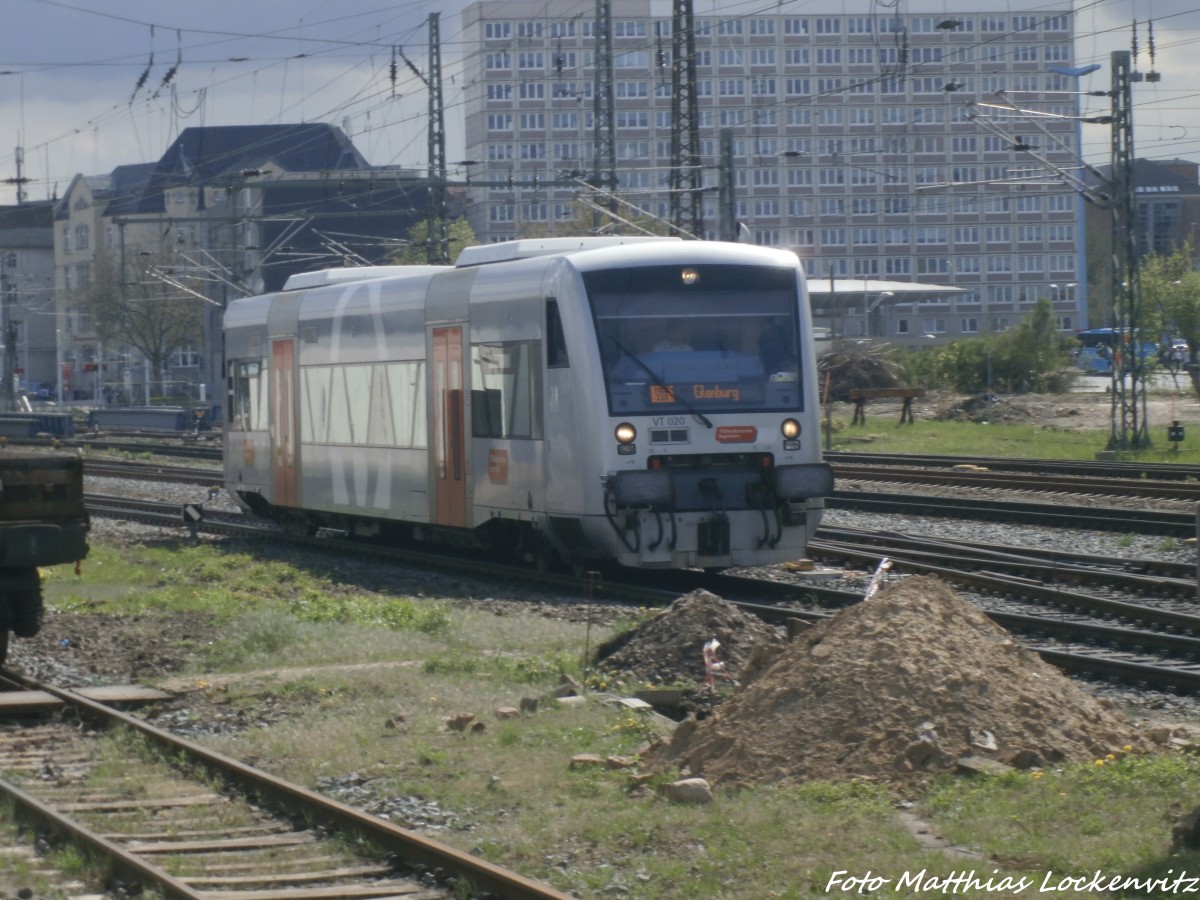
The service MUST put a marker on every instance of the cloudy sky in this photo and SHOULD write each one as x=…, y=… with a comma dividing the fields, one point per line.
x=87, y=85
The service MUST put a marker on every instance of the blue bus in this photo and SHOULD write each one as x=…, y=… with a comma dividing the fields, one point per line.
x=1098, y=346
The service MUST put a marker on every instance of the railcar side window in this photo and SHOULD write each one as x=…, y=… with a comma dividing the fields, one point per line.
x=406, y=389
x=380, y=404
x=248, y=399
x=506, y=390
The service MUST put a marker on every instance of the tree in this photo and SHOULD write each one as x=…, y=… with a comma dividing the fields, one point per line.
x=1171, y=298
x=413, y=253
x=151, y=304
x=1030, y=358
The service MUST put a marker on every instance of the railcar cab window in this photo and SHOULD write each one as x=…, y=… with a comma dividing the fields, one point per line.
x=247, y=395
x=556, y=340
x=742, y=327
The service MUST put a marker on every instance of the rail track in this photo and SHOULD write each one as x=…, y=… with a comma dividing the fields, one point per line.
x=181, y=821
x=1110, y=469
x=1043, y=500
x=1152, y=641
x=1059, y=511
x=974, y=477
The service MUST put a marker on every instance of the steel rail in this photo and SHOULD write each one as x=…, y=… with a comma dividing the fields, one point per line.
x=121, y=860
x=1142, y=566
x=1046, y=514
x=413, y=848
x=1042, y=571
x=1039, y=482
x=1130, y=612
x=1107, y=469
x=655, y=587
x=1179, y=678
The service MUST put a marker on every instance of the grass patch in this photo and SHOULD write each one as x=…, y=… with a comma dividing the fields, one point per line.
x=1114, y=815
x=337, y=679
x=882, y=433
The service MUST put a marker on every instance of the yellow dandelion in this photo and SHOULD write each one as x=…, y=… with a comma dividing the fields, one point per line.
x=1111, y=756
x=1099, y=762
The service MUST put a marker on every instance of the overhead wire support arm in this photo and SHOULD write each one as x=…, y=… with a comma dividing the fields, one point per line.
x=613, y=201
x=610, y=213
x=1068, y=177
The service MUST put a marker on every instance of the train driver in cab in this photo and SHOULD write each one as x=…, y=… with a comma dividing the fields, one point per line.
x=678, y=339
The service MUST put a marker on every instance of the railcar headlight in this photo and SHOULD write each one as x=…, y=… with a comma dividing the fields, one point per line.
x=625, y=433
x=790, y=429
x=689, y=276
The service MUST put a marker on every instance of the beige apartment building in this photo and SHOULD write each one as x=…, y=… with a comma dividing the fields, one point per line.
x=880, y=148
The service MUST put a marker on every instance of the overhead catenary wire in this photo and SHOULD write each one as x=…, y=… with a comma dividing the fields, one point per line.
x=374, y=102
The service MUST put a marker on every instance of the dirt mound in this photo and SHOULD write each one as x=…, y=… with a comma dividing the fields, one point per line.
x=1011, y=410
x=903, y=684
x=669, y=648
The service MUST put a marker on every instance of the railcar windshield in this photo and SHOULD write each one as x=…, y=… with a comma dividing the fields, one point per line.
x=716, y=338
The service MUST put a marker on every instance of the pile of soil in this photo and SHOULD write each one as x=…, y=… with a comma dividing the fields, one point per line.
x=668, y=649
x=902, y=685
x=1013, y=410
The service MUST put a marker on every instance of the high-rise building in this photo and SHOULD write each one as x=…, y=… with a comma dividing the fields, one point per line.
x=937, y=148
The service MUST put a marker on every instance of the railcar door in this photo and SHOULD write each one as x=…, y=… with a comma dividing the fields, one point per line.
x=283, y=424
x=449, y=433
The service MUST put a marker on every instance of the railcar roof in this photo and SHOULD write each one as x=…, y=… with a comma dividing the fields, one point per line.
x=525, y=249
x=303, y=280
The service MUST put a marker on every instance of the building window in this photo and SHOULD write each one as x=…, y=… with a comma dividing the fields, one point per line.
x=185, y=358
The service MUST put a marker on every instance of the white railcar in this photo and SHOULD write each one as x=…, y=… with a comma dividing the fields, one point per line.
x=648, y=400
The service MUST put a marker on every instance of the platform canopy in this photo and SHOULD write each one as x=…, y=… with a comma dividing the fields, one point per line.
x=872, y=287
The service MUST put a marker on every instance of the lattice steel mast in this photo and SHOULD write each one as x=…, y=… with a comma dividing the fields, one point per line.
x=1129, y=425
x=686, y=178
x=438, y=235
x=604, y=145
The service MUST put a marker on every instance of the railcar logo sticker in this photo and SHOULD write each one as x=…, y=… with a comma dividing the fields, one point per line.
x=737, y=434
x=498, y=466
